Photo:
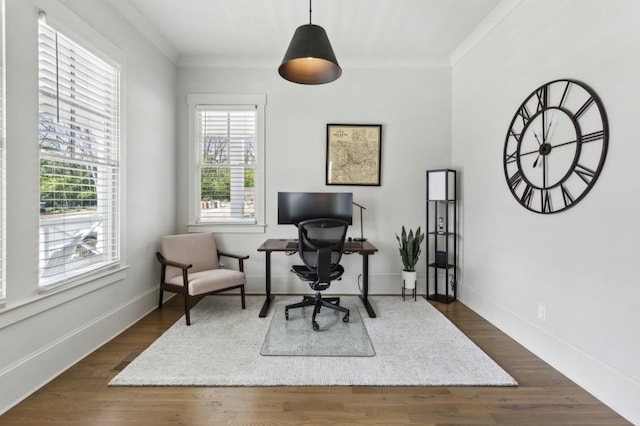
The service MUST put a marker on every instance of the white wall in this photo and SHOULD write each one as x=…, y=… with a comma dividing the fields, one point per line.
x=413, y=106
x=581, y=263
x=578, y=263
x=43, y=334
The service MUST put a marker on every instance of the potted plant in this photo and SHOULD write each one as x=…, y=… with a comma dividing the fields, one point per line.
x=409, y=247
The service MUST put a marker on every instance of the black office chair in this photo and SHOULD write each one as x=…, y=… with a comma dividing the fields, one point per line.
x=320, y=243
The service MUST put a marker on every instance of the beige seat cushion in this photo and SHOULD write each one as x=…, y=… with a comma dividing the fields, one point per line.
x=212, y=280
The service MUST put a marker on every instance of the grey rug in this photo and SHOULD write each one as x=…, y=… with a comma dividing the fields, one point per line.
x=296, y=337
x=415, y=346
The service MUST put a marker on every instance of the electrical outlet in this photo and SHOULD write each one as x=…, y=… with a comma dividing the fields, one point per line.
x=542, y=312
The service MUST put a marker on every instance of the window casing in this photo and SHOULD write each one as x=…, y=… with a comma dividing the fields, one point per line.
x=79, y=140
x=226, y=150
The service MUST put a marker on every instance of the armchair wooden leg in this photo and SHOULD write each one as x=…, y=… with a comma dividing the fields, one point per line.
x=242, y=295
x=186, y=308
x=160, y=301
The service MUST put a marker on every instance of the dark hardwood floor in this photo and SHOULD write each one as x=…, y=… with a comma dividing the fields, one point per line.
x=80, y=396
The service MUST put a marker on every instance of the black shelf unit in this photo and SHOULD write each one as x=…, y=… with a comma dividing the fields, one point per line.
x=442, y=239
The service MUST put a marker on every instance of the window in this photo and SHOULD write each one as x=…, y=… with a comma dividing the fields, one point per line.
x=2, y=163
x=226, y=150
x=79, y=139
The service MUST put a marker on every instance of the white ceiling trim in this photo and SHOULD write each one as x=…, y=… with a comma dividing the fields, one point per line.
x=129, y=12
x=497, y=15
x=133, y=15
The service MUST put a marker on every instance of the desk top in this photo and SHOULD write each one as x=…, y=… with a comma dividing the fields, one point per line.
x=360, y=247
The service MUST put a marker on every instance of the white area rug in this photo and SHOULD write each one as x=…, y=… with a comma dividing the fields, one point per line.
x=415, y=345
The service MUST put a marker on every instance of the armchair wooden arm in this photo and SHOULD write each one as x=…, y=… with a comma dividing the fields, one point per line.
x=167, y=262
x=240, y=258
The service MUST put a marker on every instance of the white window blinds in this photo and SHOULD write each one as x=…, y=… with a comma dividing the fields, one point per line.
x=226, y=137
x=79, y=159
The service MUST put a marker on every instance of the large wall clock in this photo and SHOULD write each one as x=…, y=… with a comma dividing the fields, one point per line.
x=556, y=146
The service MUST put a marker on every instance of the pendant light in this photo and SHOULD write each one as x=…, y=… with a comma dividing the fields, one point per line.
x=310, y=58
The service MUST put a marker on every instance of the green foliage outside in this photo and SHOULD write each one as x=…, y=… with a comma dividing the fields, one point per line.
x=215, y=180
x=215, y=183
x=66, y=187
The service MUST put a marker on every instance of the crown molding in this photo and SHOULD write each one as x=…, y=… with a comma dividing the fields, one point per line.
x=495, y=17
x=133, y=15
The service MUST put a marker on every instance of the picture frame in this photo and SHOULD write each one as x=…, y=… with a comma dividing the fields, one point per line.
x=354, y=154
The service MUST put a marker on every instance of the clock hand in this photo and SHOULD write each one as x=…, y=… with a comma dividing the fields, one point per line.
x=545, y=149
x=536, y=136
x=565, y=143
x=537, y=151
x=545, y=135
x=544, y=171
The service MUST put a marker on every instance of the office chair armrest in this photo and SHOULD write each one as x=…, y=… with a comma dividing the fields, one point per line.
x=240, y=258
x=167, y=262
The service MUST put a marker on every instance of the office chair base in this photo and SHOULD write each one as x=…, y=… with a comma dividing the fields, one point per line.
x=318, y=302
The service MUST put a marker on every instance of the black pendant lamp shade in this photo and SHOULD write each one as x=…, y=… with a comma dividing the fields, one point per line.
x=310, y=58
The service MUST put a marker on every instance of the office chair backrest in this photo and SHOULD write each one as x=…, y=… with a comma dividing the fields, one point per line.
x=320, y=243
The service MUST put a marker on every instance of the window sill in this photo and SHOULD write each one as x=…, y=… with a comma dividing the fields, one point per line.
x=227, y=228
x=51, y=298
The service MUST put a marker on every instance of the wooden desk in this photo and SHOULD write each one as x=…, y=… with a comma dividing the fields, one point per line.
x=364, y=249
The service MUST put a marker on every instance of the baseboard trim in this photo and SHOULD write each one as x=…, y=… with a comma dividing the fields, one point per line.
x=350, y=284
x=27, y=375
x=607, y=384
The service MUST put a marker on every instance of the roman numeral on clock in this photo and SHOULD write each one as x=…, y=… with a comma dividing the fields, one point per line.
x=524, y=114
x=564, y=94
x=511, y=158
x=527, y=196
x=515, y=179
x=546, y=201
x=584, y=108
x=591, y=137
x=543, y=97
x=585, y=173
x=566, y=196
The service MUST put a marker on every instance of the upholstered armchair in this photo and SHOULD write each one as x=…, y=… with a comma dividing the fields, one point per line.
x=190, y=266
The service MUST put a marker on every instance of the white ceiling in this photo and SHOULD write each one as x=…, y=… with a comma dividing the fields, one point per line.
x=377, y=33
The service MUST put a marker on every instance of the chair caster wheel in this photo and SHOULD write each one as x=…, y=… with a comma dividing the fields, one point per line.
x=286, y=315
x=316, y=327
x=345, y=318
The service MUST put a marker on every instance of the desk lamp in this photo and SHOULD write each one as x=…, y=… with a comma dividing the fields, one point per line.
x=361, y=233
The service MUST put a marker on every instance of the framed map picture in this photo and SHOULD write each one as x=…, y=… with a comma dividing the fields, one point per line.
x=353, y=154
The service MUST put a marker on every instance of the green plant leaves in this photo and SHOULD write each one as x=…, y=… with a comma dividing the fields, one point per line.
x=409, y=247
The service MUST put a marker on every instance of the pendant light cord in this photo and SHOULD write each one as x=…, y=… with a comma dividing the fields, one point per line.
x=309, y=12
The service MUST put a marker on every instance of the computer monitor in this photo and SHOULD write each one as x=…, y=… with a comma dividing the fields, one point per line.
x=294, y=207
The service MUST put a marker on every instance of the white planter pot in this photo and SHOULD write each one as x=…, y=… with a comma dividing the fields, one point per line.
x=409, y=279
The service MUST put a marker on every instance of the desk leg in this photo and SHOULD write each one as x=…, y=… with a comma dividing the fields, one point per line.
x=365, y=286
x=269, y=297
